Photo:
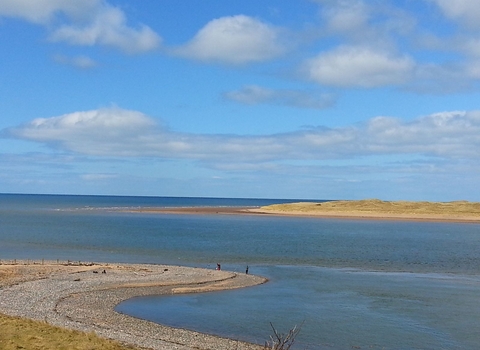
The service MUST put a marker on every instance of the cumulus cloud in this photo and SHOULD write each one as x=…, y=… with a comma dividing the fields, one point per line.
x=109, y=27
x=365, y=22
x=447, y=134
x=254, y=95
x=349, y=66
x=459, y=47
x=375, y=49
x=234, y=40
x=83, y=132
x=88, y=22
x=368, y=53
x=115, y=132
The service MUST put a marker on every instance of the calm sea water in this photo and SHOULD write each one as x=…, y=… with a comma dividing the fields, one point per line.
x=350, y=283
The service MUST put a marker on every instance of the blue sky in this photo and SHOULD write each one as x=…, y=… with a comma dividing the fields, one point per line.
x=313, y=99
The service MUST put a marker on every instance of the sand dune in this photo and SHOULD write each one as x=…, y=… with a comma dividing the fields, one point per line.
x=375, y=208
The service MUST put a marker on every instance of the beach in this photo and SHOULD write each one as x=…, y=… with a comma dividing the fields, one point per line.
x=358, y=282
x=371, y=209
x=83, y=296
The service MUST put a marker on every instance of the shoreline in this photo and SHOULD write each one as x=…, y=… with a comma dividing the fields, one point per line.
x=82, y=297
x=374, y=216
x=328, y=214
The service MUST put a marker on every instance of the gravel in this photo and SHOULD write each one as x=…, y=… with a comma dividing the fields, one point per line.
x=83, y=298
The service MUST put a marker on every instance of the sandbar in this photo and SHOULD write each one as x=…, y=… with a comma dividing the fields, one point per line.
x=370, y=209
x=83, y=296
x=457, y=211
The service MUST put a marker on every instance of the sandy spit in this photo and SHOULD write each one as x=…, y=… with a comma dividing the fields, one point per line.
x=372, y=209
x=83, y=297
x=375, y=209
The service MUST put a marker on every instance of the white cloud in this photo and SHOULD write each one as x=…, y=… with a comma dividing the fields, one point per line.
x=383, y=43
x=254, y=95
x=234, y=40
x=464, y=11
x=346, y=16
x=350, y=66
x=43, y=11
x=99, y=132
x=471, y=46
x=442, y=78
x=251, y=95
x=365, y=22
x=455, y=64
x=108, y=27
x=455, y=53
x=116, y=132
x=89, y=22
x=82, y=62
x=446, y=134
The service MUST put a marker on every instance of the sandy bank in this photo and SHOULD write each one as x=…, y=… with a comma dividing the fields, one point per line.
x=373, y=209
x=198, y=210
x=459, y=211
x=83, y=298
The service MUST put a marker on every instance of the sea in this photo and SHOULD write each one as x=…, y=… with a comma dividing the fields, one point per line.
x=344, y=283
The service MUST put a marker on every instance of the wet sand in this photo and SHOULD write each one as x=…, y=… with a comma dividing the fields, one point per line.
x=83, y=297
x=200, y=210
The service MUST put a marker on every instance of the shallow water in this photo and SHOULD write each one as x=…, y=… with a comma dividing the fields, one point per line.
x=338, y=308
x=352, y=283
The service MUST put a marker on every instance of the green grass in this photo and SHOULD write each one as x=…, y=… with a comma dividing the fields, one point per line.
x=19, y=333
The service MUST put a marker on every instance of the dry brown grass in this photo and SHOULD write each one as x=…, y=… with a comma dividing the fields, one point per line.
x=376, y=207
x=18, y=333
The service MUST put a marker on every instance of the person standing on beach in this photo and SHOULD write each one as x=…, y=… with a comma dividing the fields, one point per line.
x=219, y=267
x=246, y=271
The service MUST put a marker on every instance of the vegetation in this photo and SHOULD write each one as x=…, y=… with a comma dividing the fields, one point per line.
x=19, y=333
x=22, y=333
x=375, y=206
x=282, y=341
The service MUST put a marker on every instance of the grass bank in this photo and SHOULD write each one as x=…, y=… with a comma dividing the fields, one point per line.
x=457, y=210
x=19, y=333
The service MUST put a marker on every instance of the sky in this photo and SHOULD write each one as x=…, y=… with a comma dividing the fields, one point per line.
x=297, y=99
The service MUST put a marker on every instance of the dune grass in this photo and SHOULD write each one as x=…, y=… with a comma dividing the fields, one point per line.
x=375, y=206
x=19, y=333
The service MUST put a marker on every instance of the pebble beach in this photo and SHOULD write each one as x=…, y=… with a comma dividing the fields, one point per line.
x=83, y=297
